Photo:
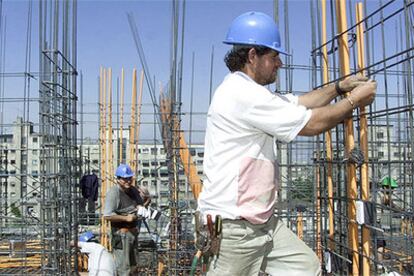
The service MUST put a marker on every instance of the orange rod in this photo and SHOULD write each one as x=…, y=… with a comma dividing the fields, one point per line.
x=121, y=119
x=349, y=139
x=190, y=169
x=328, y=135
x=110, y=138
x=366, y=235
x=133, y=120
x=141, y=85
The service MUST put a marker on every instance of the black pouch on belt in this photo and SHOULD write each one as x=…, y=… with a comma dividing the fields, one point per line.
x=116, y=242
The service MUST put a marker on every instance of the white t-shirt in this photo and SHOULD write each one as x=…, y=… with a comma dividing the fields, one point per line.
x=100, y=261
x=243, y=121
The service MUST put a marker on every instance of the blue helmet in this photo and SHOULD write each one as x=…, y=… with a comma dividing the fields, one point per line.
x=255, y=28
x=87, y=236
x=124, y=171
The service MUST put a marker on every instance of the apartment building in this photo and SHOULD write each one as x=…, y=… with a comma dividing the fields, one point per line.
x=19, y=170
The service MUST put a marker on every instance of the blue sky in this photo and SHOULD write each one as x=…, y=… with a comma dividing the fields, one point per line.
x=105, y=39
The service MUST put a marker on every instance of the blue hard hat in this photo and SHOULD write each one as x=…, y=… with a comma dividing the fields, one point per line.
x=87, y=236
x=124, y=171
x=255, y=28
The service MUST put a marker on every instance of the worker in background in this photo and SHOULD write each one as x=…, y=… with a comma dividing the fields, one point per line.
x=243, y=122
x=100, y=261
x=388, y=185
x=121, y=205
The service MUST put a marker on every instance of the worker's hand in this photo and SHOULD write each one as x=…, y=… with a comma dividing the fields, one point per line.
x=131, y=218
x=352, y=82
x=364, y=94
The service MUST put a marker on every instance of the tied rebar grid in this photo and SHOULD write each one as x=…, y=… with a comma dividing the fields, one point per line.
x=57, y=128
x=389, y=45
x=39, y=160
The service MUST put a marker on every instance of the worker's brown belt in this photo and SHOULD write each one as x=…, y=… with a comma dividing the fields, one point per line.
x=133, y=230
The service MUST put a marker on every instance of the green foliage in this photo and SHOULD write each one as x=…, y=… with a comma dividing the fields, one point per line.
x=302, y=189
x=15, y=211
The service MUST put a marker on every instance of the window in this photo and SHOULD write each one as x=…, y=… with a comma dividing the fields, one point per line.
x=162, y=151
x=12, y=161
x=192, y=152
x=380, y=135
x=199, y=162
x=380, y=154
x=13, y=172
x=145, y=163
x=34, y=152
x=95, y=161
x=13, y=184
x=154, y=163
x=200, y=154
x=35, y=173
x=153, y=150
x=34, y=162
x=164, y=193
x=145, y=150
x=34, y=140
x=163, y=172
x=145, y=172
x=12, y=194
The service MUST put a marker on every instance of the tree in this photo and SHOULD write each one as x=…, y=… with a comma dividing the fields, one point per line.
x=302, y=189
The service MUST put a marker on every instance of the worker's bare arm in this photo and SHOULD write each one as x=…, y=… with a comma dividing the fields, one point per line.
x=326, y=117
x=323, y=96
x=122, y=218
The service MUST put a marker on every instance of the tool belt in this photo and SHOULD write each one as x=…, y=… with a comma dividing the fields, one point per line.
x=116, y=238
x=208, y=238
x=133, y=230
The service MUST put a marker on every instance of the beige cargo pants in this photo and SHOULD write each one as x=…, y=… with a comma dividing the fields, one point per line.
x=248, y=248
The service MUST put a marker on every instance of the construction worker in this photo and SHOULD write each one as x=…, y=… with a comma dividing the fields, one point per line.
x=100, y=261
x=121, y=205
x=243, y=122
x=388, y=184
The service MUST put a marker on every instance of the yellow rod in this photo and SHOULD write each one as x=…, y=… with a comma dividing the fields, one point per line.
x=328, y=135
x=139, y=105
x=366, y=235
x=121, y=119
x=133, y=120
x=349, y=139
x=110, y=138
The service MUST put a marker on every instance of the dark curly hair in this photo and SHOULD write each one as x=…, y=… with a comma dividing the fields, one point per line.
x=236, y=58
